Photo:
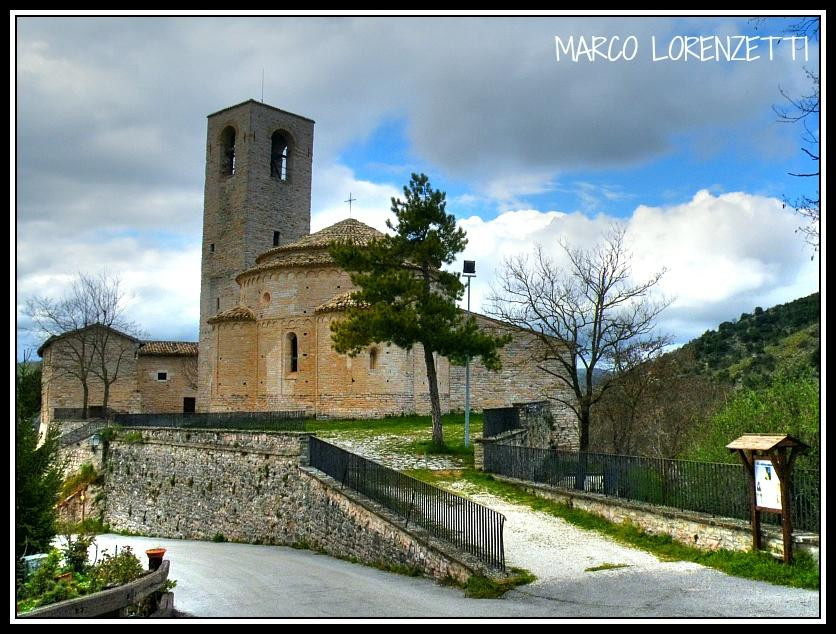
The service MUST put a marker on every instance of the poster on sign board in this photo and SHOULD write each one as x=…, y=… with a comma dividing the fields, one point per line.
x=767, y=485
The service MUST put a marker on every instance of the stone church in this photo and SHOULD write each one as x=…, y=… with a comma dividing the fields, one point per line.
x=270, y=291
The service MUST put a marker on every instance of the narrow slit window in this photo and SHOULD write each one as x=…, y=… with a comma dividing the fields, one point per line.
x=217, y=303
x=292, y=352
x=373, y=359
x=212, y=248
x=276, y=237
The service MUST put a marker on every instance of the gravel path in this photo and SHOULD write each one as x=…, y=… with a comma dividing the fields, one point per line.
x=552, y=548
x=561, y=556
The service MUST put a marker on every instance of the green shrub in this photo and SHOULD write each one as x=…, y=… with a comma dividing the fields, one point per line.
x=789, y=405
x=118, y=569
x=75, y=552
x=81, y=479
x=132, y=437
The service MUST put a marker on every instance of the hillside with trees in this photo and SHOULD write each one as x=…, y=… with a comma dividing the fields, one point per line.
x=748, y=351
x=759, y=373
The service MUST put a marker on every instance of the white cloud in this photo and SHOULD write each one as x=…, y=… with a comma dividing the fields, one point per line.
x=724, y=254
x=331, y=189
x=161, y=285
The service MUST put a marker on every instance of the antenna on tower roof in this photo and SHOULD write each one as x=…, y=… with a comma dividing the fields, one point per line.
x=262, y=85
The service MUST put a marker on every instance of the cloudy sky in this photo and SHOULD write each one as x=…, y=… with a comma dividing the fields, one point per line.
x=110, y=135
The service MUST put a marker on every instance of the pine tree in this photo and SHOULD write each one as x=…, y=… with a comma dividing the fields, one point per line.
x=38, y=479
x=405, y=298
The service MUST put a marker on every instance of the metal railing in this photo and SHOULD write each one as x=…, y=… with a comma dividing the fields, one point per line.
x=291, y=420
x=77, y=413
x=715, y=488
x=471, y=527
x=80, y=433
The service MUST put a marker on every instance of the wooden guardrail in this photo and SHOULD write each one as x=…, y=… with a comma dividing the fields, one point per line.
x=105, y=602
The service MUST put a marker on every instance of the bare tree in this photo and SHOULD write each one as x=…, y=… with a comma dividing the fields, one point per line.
x=90, y=323
x=588, y=316
x=805, y=110
x=655, y=407
x=111, y=347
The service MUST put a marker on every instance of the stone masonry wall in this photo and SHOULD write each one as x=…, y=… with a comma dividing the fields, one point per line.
x=519, y=380
x=254, y=487
x=74, y=508
x=549, y=425
x=166, y=396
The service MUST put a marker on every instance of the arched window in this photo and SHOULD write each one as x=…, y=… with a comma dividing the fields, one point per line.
x=373, y=359
x=228, y=151
x=278, y=156
x=292, y=352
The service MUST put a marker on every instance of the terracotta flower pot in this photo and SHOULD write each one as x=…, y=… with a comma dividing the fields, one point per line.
x=155, y=557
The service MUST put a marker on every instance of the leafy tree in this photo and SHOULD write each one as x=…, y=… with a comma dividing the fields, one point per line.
x=38, y=480
x=789, y=405
x=405, y=298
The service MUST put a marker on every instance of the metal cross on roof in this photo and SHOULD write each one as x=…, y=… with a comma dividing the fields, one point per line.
x=349, y=201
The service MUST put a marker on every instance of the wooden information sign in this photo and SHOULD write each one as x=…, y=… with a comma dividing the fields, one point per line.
x=768, y=460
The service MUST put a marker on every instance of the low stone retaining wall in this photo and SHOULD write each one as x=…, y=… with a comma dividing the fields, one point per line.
x=256, y=487
x=698, y=530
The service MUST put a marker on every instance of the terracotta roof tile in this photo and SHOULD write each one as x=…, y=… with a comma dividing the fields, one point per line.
x=168, y=348
x=336, y=303
x=239, y=313
x=348, y=229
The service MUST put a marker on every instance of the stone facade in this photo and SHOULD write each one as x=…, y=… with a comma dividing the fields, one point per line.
x=153, y=377
x=541, y=425
x=273, y=351
x=255, y=487
x=519, y=380
x=61, y=387
x=270, y=293
x=247, y=207
x=266, y=309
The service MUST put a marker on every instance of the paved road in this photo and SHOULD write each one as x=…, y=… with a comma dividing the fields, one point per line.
x=242, y=580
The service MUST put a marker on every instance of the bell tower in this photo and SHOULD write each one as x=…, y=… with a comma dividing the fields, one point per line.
x=257, y=195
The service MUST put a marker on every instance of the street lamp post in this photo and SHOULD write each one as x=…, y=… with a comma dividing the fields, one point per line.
x=469, y=272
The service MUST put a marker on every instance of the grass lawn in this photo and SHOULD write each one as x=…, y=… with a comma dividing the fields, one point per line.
x=408, y=435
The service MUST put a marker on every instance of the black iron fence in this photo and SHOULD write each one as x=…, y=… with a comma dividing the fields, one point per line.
x=471, y=527
x=292, y=420
x=498, y=420
x=707, y=487
x=77, y=413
